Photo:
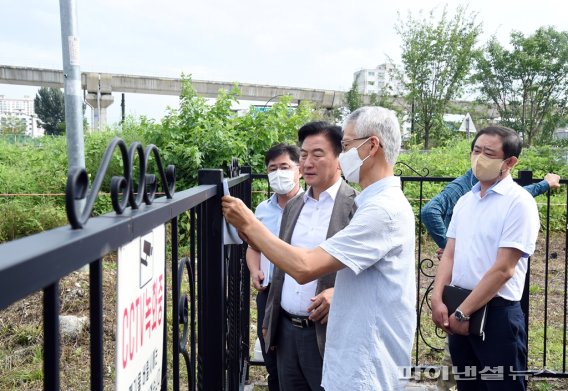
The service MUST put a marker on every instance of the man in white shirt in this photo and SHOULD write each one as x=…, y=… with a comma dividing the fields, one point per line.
x=372, y=320
x=493, y=231
x=282, y=165
x=292, y=328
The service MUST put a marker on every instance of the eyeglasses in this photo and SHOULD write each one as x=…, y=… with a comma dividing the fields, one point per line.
x=284, y=167
x=345, y=142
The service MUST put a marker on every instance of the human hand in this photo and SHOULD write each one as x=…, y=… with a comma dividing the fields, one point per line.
x=257, y=276
x=319, y=309
x=553, y=180
x=439, y=253
x=457, y=327
x=237, y=213
x=440, y=316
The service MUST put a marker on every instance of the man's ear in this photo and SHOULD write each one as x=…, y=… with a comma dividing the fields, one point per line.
x=511, y=162
x=376, y=144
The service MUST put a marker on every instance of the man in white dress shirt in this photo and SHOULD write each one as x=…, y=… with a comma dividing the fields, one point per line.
x=493, y=231
x=373, y=317
x=282, y=164
x=297, y=334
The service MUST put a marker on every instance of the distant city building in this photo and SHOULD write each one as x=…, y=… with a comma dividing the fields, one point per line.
x=375, y=80
x=23, y=109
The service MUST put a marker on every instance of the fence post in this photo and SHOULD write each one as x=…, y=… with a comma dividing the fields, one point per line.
x=211, y=290
x=245, y=313
x=524, y=179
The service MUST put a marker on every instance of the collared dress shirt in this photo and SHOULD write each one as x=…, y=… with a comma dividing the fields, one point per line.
x=269, y=213
x=507, y=216
x=437, y=213
x=372, y=319
x=309, y=232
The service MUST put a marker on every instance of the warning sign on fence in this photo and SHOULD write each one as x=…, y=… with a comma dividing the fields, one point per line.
x=140, y=328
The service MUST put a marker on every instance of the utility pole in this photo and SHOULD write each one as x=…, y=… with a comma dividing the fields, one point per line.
x=72, y=90
x=72, y=85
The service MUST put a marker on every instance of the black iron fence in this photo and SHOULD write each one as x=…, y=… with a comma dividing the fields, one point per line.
x=209, y=284
x=209, y=313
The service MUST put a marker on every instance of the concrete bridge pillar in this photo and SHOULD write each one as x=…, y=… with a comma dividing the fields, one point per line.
x=99, y=97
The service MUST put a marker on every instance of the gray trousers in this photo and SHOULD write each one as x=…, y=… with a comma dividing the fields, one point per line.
x=298, y=358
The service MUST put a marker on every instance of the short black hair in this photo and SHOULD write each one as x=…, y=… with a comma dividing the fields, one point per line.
x=280, y=149
x=332, y=132
x=512, y=143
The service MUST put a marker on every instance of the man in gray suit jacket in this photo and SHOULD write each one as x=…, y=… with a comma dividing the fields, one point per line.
x=296, y=315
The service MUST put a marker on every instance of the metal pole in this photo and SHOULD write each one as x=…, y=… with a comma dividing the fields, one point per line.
x=72, y=84
x=123, y=109
x=72, y=90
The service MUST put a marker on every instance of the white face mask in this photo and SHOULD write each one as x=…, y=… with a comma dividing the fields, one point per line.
x=281, y=181
x=351, y=163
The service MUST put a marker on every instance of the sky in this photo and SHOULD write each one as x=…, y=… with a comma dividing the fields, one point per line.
x=296, y=43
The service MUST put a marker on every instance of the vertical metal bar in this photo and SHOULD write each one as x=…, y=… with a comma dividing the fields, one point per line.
x=72, y=84
x=51, y=341
x=418, y=273
x=175, y=312
x=525, y=178
x=212, y=330
x=96, y=323
x=201, y=219
x=194, y=301
x=247, y=199
x=565, y=286
x=546, y=273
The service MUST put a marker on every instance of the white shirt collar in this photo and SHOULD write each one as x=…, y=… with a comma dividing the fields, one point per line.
x=499, y=187
x=330, y=191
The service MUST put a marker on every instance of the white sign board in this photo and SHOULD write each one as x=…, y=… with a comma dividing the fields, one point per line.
x=140, y=328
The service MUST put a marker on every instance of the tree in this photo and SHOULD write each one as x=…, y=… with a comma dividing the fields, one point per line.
x=437, y=57
x=50, y=108
x=353, y=98
x=529, y=83
x=202, y=135
x=12, y=125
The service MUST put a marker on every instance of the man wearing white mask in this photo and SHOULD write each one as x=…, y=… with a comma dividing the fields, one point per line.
x=293, y=327
x=282, y=164
x=372, y=320
x=492, y=232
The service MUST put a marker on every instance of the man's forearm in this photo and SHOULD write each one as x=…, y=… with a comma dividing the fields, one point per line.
x=493, y=280
x=304, y=265
x=253, y=259
x=444, y=272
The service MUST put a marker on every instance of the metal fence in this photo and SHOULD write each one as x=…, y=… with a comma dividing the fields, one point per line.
x=545, y=292
x=209, y=288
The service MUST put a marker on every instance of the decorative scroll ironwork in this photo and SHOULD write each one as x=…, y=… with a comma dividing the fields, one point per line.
x=398, y=172
x=183, y=315
x=425, y=267
x=80, y=200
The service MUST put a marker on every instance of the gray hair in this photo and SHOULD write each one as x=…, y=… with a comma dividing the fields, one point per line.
x=380, y=122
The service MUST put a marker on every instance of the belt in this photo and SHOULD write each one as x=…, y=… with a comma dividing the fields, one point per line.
x=500, y=302
x=297, y=320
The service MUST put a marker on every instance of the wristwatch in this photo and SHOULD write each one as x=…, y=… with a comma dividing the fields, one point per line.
x=460, y=316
